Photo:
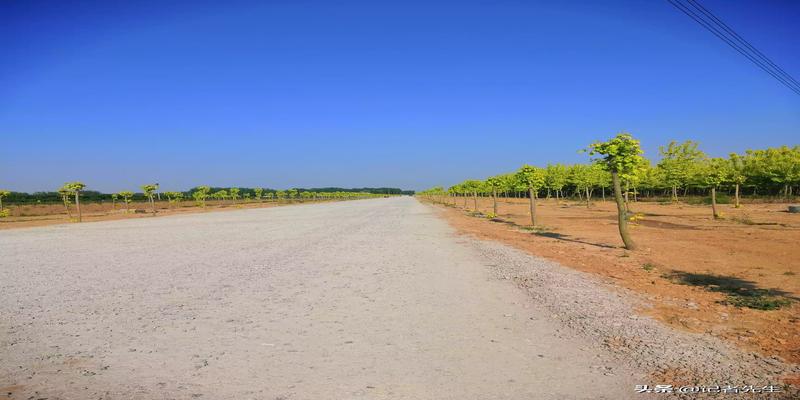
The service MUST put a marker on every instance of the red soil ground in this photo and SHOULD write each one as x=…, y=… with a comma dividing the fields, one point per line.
x=756, y=246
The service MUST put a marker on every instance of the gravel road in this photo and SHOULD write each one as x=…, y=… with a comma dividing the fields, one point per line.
x=364, y=299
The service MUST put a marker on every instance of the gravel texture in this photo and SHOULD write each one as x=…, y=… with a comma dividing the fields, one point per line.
x=364, y=299
x=606, y=314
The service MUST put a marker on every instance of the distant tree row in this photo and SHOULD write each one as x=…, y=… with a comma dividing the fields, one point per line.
x=91, y=196
x=681, y=170
x=74, y=192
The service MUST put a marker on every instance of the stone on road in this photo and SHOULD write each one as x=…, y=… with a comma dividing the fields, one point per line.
x=373, y=298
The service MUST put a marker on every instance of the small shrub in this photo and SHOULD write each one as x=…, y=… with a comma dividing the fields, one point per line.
x=537, y=229
x=744, y=219
x=648, y=267
x=789, y=273
x=759, y=301
x=491, y=215
x=636, y=217
x=5, y=213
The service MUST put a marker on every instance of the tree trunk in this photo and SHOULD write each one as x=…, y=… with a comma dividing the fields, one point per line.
x=786, y=192
x=622, y=215
x=714, y=202
x=587, y=197
x=674, y=193
x=78, y=204
x=533, y=206
x=736, y=201
x=494, y=201
x=152, y=205
x=475, y=200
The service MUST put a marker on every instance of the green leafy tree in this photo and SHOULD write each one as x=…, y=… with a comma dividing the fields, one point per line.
x=579, y=176
x=678, y=163
x=434, y=194
x=3, y=193
x=65, y=194
x=459, y=190
x=494, y=184
x=738, y=175
x=650, y=178
x=174, y=197
x=534, y=179
x=149, y=191
x=621, y=155
x=221, y=194
x=556, y=176
x=473, y=187
x=259, y=192
x=114, y=198
x=200, y=195
x=599, y=177
x=234, y=194
x=75, y=188
x=778, y=165
x=712, y=173
x=126, y=198
x=519, y=187
x=270, y=195
x=507, y=184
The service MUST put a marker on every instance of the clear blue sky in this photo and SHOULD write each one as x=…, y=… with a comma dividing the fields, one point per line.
x=410, y=94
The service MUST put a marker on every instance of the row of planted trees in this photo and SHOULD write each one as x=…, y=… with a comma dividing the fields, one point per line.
x=619, y=165
x=72, y=190
x=70, y=193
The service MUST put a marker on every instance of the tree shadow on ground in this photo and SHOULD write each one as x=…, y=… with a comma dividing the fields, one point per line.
x=566, y=238
x=548, y=234
x=740, y=292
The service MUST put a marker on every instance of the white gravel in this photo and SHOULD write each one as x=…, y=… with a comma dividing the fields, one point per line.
x=369, y=299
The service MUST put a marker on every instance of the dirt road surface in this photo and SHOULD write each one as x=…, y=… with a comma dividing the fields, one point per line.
x=365, y=299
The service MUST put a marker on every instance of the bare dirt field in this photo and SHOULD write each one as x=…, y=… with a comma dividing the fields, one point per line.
x=28, y=215
x=688, y=266
x=363, y=299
